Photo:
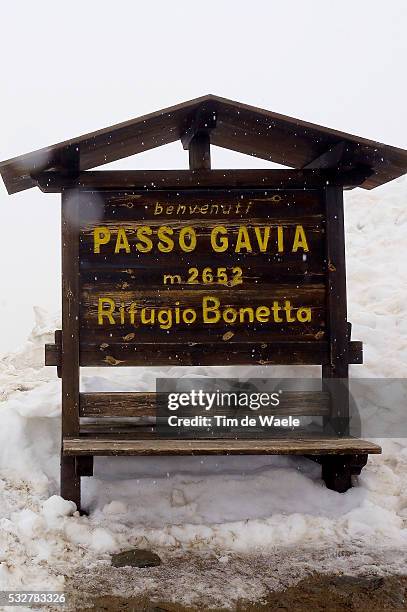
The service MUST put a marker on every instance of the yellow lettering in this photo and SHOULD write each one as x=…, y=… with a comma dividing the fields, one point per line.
x=143, y=316
x=262, y=240
x=249, y=311
x=222, y=244
x=101, y=235
x=145, y=245
x=280, y=239
x=300, y=240
x=132, y=309
x=213, y=310
x=165, y=318
x=166, y=244
x=304, y=315
x=288, y=310
x=102, y=312
x=187, y=231
x=121, y=241
x=276, y=308
x=243, y=240
x=262, y=314
x=189, y=316
x=230, y=315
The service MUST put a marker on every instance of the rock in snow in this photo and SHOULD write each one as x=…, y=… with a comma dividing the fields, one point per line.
x=137, y=557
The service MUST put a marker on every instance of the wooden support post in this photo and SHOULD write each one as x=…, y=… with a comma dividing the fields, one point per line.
x=337, y=370
x=337, y=470
x=84, y=465
x=336, y=473
x=200, y=152
x=70, y=480
x=58, y=343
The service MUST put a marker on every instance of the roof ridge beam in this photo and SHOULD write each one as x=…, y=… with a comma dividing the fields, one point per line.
x=202, y=122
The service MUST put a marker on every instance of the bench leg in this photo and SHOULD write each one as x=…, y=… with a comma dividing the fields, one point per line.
x=70, y=481
x=337, y=470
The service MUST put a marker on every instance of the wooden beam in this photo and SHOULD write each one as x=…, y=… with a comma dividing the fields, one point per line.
x=70, y=313
x=200, y=152
x=69, y=161
x=340, y=159
x=356, y=176
x=293, y=446
x=70, y=481
x=174, y=354
x=144, y=404
x=153, y=180
x=203, y=121
x=331, y=158
x=336, y=290
x=336, y=309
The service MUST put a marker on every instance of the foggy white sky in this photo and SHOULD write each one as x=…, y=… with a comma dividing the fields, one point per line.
x=74, y=67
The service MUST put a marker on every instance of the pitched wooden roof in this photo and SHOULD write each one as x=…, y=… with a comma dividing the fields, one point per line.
x=240, y=127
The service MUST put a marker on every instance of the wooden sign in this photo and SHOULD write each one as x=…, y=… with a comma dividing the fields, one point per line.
x=204, y=267
x=178, y=269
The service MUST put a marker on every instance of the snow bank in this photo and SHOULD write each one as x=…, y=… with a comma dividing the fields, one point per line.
x=241, y=504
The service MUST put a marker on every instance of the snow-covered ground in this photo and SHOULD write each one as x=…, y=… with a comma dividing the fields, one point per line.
x=227, y=506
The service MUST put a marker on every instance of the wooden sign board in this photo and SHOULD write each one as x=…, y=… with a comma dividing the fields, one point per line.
x=203, y=267
x=163, y=273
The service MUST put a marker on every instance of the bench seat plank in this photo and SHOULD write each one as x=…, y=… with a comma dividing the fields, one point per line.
x=282, y=446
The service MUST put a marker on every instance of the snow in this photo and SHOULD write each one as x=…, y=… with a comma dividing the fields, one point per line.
x=224, y=506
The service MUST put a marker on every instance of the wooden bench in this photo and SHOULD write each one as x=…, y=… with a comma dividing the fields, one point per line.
x=80, y=344
x=123, y=423
x=340, y=458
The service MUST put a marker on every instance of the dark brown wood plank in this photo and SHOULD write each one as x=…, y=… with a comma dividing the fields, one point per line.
x=336, y=282
x=204, y=203
x=142, y=404
x=151, y=354
x=317, y=354
x=54, y=182
x=217, y=336
x=326, y=446
x=70, y=313
x=245, y=353
x=331, y=158
x=144, y=300
x=202, y=121
x=200, y=151
x=336, y=309
x=58, y=342
x=262, y=234
x=70, y=480
x=53, y=355
x=254, y=273
x=105, y=428
x=108, y=404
